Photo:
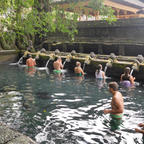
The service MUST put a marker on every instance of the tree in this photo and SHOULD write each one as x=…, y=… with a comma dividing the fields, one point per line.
x=24, y=20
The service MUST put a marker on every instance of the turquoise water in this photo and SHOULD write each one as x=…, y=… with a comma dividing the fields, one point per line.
x=66, y=110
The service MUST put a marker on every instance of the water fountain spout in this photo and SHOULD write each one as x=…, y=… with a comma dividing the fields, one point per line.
x=135, y=66
x=68, y=58
x=87, y=61
x=20, y=60
x=51, y=57
x=47, y=63
x=108, y=65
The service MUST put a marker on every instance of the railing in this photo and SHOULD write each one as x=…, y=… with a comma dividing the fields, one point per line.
x=95, y=18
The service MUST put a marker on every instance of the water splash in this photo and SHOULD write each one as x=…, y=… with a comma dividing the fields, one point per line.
x=47, y=63
x=131, y=72
x=105, y=69
x=64, y=62
x=20, y=60
x=17, y=63
x=84, y=66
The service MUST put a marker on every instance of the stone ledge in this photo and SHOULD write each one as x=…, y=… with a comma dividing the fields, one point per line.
x=10, y=136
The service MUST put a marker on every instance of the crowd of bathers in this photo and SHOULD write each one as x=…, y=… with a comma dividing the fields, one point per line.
x=117, y=103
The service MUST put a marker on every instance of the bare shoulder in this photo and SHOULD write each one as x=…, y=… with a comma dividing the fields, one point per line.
x=118, y=95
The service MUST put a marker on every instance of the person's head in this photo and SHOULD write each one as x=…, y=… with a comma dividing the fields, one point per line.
x=59, y=59
x=29, y=56
x=127, y=71
x=78, y=63
x=99, y=67
x=113, y=86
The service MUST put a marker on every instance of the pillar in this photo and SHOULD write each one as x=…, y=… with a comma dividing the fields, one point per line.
x=64, y=47
x=81, y=48
x=49, y=47
x=100, y=50
x=121, y=50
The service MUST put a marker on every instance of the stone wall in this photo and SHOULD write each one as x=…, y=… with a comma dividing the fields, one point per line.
x=7, y=56
x=124, y=37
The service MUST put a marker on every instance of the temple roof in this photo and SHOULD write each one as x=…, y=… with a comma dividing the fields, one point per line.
x=132, y=3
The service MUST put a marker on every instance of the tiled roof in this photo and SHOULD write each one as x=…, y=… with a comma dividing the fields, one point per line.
x=132, y=3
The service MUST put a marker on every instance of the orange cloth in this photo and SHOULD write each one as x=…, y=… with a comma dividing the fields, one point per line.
x=30, y=62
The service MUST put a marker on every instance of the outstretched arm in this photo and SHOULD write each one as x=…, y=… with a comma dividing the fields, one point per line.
x=139, y=130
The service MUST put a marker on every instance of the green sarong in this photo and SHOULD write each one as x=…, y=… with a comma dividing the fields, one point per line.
x=57, y=71
x=78, y=74
x=116, y=121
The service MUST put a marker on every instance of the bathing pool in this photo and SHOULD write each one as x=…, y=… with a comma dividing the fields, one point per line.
x=67, y=109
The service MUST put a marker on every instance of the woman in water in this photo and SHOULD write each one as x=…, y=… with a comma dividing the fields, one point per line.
x=78, y=70
x=126, y=79
x=99, y=74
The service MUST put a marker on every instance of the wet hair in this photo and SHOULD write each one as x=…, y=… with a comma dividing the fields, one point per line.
x=127, y=71
x=113, y=85
x=59, y=58
x=99, y=68
x=78, y=63
x=29, y=56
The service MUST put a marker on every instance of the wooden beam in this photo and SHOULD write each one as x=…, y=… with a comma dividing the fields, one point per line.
x=120, y=6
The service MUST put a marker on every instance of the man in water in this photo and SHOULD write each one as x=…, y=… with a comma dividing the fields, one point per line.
x=30, y=62
x=58, y=66
x=117, y=106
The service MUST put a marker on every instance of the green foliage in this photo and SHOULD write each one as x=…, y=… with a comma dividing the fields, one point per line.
x=21, y=20
x=106, y=13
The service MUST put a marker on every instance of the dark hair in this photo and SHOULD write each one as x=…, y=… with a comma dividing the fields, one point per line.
x=99, y=68
x=113, y=85
x=29, y=56
x=127, y=71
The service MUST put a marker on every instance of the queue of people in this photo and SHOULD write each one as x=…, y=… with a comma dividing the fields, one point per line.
x=117, y=103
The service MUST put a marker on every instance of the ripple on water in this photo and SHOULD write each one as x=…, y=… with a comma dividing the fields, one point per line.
x=66, y=111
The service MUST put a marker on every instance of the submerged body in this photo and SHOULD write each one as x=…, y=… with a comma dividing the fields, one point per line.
x=99, y=74
x=30, y=62
x=57, y=65
x=78, y=70
x=126, y=79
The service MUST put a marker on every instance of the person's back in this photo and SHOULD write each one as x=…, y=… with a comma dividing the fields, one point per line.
x=78, y=70
x=30, y=62
x=57, y=65
x=99, y=74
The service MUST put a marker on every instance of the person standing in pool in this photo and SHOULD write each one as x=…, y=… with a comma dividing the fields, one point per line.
x=99, y=74
x=58, y=66
x=78, y=70
x=127, y=79
x=30, y=62
x=117, y=106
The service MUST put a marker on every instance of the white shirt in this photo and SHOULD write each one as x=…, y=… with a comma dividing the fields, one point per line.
x=99, y=75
